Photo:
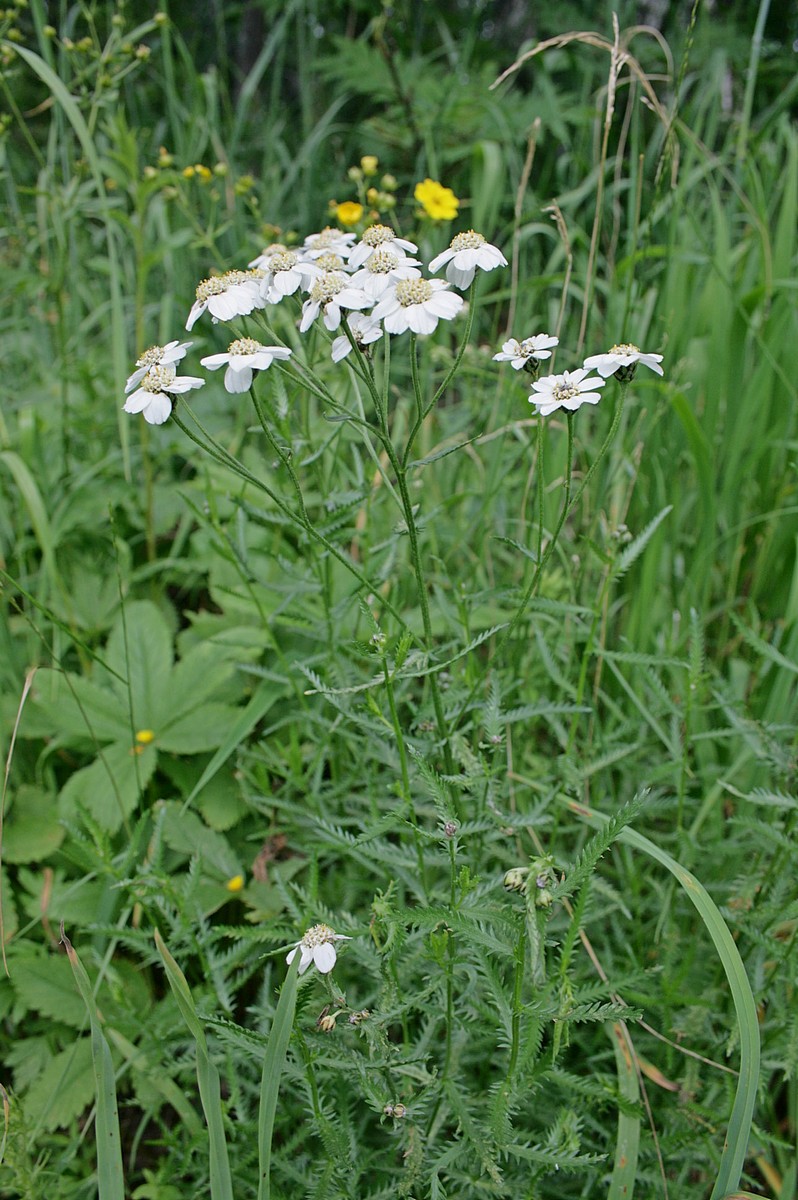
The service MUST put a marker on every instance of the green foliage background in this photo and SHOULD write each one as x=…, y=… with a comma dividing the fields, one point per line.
x=153, y=591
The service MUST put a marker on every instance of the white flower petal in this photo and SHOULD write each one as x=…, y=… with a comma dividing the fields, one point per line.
x=237, y=380
x=324, y=957
x=158, y=410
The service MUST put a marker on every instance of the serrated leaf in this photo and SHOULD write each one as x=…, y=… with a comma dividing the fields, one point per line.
x=186, y=833
x=65, y=1087
x=32, y=831
x=203, y=729
x=44, y=983
x=110, y=788
x=140, y=650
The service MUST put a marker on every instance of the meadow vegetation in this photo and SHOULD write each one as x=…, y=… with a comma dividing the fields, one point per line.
x=486, y=705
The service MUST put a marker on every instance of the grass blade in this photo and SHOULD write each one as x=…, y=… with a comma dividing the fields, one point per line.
x=272, y=1070
x=622, y=1183
x=110, y=1172
x=207, y=1078
x=736, y=1141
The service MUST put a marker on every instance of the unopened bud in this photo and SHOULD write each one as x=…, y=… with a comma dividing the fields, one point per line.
x=515, y=880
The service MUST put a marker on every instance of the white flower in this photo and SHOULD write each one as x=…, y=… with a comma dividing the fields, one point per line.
x=329, y=293
x=330, y=240
x=529, y=352
x=365, y=330
x=156, y=356
x=417, y=304
x=466, y=252
x=233, y=294
x=153, y=398
x=284, y=274
x=569, y=391
x=379, y=237
x=381, y=269
x=262, y=261
x=244, y=356
x=317, y=947
x=622, y=361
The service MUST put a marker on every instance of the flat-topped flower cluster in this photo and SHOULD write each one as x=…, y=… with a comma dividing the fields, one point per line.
x=375, y=282
x=366, y=288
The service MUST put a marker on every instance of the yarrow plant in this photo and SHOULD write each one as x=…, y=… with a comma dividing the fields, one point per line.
x=317, y=948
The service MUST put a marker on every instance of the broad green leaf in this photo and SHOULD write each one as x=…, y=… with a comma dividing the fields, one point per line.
x=203, y=729
x=43, y=982
x=32, y=831
x=110, y=788
x=195, y=679
x=187, y=834
x=72, y=707
x=140, y=650
x=64, y=1089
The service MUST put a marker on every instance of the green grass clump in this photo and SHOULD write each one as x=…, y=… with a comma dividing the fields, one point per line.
x=492, y=714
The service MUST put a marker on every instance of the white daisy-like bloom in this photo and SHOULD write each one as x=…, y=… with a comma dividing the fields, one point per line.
x=233, y=294
x=418, y=305
x=467, y=252
x=317, y=947
x=284, y=273
x=528, y=352
x=622, y=361
x=261, y=263
x=156, y=356
x=381, y=269
x=154, y=398
x=244, y=356
x=328, y=240
x=379, y=237
x=570, y=391
x=329, y=293
x=365, y=330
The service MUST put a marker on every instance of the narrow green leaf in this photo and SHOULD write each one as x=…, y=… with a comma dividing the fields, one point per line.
x=736, y=1141
x=273, y=1062
x=110, y=1172
x=207, y=1078
x=624, y=1170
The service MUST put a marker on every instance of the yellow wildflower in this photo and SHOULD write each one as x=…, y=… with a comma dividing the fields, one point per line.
x=438, y=202
x=348, y=213
x=368, y=164
x=145, y=736
x=235, y=884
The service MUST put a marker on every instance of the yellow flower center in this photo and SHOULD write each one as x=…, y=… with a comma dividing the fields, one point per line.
x=282, y=260
x=327, y=237
x=413, y=291
x=330, y=262
x=375, y=235
x=624, y=348
x=318, y=935
x=382, y=262
x=327, y=286
x=527, y=347
x=157, y=379
x=244, y=346
x=467, y=241
x=150, y=357
x=564, y=391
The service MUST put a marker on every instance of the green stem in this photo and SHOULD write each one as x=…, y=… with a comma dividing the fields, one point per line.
x=408, y=795
x=518, y=983
x=211, y=447
x=567, y=507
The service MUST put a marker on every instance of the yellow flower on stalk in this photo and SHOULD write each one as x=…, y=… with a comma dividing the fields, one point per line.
x=235, y=884
x=348, y=213
x=438, y=202
x=369, y=164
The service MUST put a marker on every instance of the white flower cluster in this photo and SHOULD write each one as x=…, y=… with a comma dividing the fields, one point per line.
x=376, y=283
x=572, y=389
